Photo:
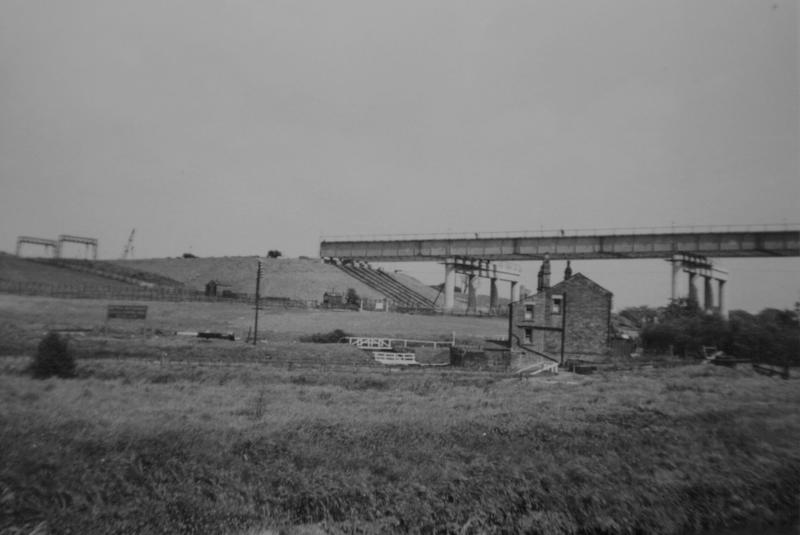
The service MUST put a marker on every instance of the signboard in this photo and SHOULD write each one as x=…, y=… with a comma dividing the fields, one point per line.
x=127, y=312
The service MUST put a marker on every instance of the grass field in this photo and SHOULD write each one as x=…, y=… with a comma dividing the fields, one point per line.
x=139, y=446
x=222, y=437
x=24, y=320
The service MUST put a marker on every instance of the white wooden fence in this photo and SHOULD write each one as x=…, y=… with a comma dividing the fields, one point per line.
x=539, y=367
x=395, y=358
x=366, y=342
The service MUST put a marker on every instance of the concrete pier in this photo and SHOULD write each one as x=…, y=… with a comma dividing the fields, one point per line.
x=449, y=285
x=676, y=270
x=493, y=295
x=708, y=294
x=692, y=287
x=694, y=266
x=472, y=294
x=474, y=268
x=514, y=291
x=721, y=298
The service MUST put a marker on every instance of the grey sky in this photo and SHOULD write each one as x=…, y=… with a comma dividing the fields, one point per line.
x=234, y=127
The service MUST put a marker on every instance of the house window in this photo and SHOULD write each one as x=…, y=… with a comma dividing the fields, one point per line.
x=528, y=312
x=557, y=304
x=528, y=335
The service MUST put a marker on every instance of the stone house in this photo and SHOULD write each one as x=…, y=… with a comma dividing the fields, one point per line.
x=570, y=320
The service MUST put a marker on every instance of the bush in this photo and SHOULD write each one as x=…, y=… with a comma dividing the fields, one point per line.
x=53, y=357
x=352, y=297
x=771, y=336
x=332, y=337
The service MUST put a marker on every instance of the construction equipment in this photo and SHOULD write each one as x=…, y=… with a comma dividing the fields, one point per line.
x=128, y=251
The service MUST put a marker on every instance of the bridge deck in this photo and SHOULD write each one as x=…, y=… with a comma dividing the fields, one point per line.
x=563, y=246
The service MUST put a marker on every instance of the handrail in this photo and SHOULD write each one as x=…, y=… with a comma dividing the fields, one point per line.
x=671, y=229
x=551, y=367
x=528, y=349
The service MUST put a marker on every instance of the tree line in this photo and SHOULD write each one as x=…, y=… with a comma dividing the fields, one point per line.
x=683, y=328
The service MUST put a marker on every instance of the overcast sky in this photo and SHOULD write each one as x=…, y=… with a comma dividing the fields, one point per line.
x=234, y=127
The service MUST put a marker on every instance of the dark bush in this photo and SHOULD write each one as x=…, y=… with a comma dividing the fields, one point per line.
x=686, y=334
x=53, y=357
x=771, y=336
x=332, y=337
x=352, y=297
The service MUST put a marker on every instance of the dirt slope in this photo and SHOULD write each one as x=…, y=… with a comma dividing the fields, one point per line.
x=283, y=277
x=16, y=269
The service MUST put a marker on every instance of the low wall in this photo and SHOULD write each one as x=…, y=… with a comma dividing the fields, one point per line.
x=480, y=359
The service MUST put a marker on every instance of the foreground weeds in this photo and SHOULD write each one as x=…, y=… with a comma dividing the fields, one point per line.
x=150, y=447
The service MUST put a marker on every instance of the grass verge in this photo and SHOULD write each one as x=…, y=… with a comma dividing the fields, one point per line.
x=136, y=446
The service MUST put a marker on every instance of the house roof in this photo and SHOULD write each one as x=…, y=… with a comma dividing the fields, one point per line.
x=577, y=278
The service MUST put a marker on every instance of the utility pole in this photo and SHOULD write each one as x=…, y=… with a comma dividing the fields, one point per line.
x=258, y=304
x=563, y=325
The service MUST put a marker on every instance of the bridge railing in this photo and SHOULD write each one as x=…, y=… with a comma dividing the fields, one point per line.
x=542, y=232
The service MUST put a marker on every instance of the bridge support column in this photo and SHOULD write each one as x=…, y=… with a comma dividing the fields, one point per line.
x=449, y=286
x=721, y=298
x=708, y=294
x=472, y=301
x=692, y=287
x=514, y=291
x=493, y=296
x=676, y=269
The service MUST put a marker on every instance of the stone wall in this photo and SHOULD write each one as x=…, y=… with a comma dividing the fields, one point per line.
x=588, y=319
x=480, y=359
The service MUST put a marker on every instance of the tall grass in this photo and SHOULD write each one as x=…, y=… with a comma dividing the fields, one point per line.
x=137, y=446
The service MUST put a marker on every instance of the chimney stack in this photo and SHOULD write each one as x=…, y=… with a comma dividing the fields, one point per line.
x=544, y=274
x=568, y=271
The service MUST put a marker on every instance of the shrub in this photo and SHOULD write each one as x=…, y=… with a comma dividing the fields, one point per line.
x=53, y=357
x=352, y=297
x=771, y=336
x=332, y=337
x=686, y=334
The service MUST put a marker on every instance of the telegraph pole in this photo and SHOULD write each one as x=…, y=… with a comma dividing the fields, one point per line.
x=258, y=304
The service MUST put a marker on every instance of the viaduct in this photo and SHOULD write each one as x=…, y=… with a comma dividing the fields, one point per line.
x=477, y=254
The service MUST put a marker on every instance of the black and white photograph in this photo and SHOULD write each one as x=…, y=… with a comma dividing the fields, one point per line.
x=353, y=267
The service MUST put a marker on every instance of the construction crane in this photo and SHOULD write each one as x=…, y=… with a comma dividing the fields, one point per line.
x=128, y=251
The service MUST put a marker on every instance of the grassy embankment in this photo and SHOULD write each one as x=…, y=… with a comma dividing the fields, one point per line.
x=135, y=446
x=295, y=278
